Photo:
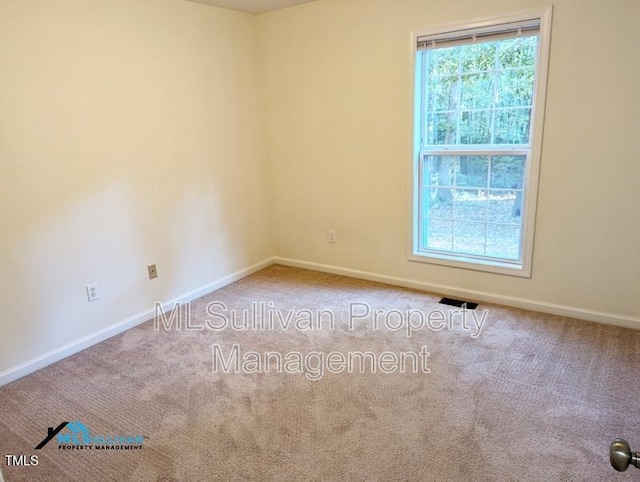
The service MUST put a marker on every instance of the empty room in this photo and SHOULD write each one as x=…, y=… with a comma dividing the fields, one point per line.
x=319, y=240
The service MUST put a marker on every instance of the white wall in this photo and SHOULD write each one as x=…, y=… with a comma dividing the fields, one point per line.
x=337, y=82
x=130, y=134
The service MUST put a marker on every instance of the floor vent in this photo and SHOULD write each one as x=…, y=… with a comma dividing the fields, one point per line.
x=467, y=305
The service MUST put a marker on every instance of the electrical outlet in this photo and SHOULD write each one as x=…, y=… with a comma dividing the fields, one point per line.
x=153, y=272
x=332, y=236
x=92, y=292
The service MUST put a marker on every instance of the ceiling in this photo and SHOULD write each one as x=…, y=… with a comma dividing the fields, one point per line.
x=253, y=6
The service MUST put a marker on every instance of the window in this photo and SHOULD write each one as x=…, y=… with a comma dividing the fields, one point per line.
x=479, y=97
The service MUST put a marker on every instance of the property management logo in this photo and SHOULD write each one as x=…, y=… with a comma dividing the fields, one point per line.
x=77, y=436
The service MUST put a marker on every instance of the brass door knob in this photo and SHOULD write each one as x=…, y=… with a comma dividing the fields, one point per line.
x=621, y=455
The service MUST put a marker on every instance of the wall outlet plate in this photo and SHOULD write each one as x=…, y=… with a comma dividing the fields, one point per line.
x=153, y=271
x=92, y=292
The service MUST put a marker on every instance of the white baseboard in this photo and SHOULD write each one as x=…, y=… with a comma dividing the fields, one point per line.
x=532, y=305
x=30, y=366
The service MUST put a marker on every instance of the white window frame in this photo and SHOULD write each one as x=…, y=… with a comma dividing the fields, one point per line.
x=532, y=170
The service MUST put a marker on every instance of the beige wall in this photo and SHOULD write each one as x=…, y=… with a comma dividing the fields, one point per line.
x=130, y=134
x=337, y=82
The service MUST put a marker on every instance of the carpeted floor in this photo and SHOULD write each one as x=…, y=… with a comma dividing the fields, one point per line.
x=531, y=397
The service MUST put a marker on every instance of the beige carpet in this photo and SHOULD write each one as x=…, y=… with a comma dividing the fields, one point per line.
x=533, y=397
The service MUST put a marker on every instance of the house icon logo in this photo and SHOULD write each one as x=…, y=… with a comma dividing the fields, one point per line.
x=74, y=435
x=78, y=434
x=51, y=432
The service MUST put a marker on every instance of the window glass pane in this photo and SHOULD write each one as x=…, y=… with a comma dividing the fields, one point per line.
x=517, y=207
x=440, y=204
x=441, y=128
x=507, y=172
x=472, y=171
x=443, y=93
x=504, y=206
x=475, y=127
x=430, y=171
x=503, y=241
x=518, y=52
x=443, y=61
x=477, y=91
x=469, y=237
x=439, y=235
x=471, y=204
x=468, y=202
x=439, y=171
x=478, y=57
x=481, y=93
x=515, y=88
x=512, y=126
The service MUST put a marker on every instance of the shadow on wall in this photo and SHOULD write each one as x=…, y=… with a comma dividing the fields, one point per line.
x=129, y=136
x=106, y=236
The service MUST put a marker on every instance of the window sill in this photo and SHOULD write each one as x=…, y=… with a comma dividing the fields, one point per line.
x=474, y=264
